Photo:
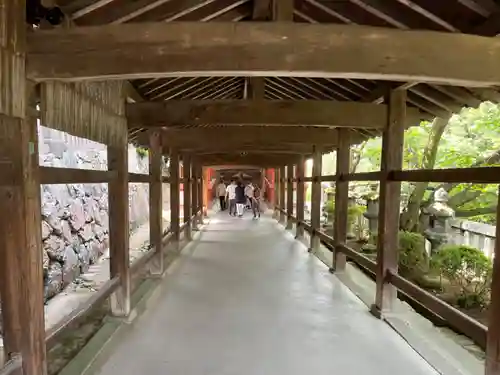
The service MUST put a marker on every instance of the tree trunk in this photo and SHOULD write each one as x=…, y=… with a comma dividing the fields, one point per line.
x=409, y=218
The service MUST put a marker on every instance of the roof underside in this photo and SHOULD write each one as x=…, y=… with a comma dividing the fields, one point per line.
x=481, y=17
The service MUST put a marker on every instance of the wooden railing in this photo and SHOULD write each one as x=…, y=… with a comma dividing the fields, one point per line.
x=13, y=367
x=454, y=317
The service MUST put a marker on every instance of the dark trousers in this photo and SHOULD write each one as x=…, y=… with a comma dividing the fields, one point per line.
x=222, y=201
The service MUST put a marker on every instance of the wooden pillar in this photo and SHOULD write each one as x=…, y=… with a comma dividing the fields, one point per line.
x=277, y=189
x=341, y=200
x=186, y=167
x=492, y=363
x=119, y=227
x=390, y=194
x=200, y=193
x=289, y=196
x=316, y=198
x=194, y=193
x=21, y=269
x=174, y=194
x=155, y=202
x=206, y=180
x=282, y=194
x=300, y=197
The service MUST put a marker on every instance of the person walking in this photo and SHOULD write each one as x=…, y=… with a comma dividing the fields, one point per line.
x=231, y=197
x=256, y=202
x=221, y=192
x=241, y=198
x=249, y=195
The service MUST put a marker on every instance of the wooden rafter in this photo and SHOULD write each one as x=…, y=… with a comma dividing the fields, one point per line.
x=133, y=50
x=239, y=112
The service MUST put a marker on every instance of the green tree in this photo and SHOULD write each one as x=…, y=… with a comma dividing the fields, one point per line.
x=468, y=139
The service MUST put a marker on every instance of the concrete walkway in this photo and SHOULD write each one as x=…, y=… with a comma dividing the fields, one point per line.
x=246, y=299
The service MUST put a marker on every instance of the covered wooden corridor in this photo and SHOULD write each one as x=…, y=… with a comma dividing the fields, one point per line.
x=263, y=84
x=247, y=298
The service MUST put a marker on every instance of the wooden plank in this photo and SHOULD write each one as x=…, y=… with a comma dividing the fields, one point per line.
x=289, y=195
x=186, y=168
x=316, y=197
x=479, y=175
x=119, y=228
x=174, y=193
x=51, y=175
x=390, y=194
x=175, y=113
x=150, y=50
x=266, y=135
x=492, y=363
x=282, y=194
x=341, y=202
x=156, y=266
x=300, y=197
x=139, y=178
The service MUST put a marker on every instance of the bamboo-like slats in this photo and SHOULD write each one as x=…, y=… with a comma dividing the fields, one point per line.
x=12, y=58
x=92, y=110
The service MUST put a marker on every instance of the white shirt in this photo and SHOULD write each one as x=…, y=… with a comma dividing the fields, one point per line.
x=221, y=188
x=231, y=191
x=249, y=191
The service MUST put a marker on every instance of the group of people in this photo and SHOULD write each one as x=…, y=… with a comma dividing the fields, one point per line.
x=238, y=197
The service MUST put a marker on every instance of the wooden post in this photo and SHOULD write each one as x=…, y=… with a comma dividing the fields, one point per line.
x=341, y=201
x=205, y=192
x=174, y=194
x=492, y=364
x=316, y=198
x=300, y=198
x=390, y=194
x=194, y=193
x=200, y=193
x=289, y=196
x=155, y=202
x=276, y=202
x=21, y=269
x=186, y=167
x=282, y=193
x=119, y=227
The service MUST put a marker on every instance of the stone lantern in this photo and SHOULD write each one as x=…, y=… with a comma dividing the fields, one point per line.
x=372, y=207
x=439, y=214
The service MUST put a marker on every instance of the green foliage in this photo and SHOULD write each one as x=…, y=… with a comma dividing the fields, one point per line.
x=412, y=255
x=471, y=138
x=468, y=270
x=141, y=152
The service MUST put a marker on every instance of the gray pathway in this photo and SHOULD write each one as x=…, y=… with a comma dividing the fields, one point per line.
x=246, y=299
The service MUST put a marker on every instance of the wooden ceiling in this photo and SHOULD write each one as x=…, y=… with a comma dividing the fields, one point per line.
x=480, y=17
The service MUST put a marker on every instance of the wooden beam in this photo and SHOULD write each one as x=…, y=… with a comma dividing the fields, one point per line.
x=51, y=175
x=316, y=197
x=186, y=168
x=172, y=113
x=390, y=195
x=21, y=267
x=174, y=193
x=300, y=167
x=119, y=231
x=277, y=48
x=282, y=194
x=252, y=149
x=155, y=204
x=265, y=135
x=341, y=202
x=492, y=363
x=289, y=195
x=257, y=160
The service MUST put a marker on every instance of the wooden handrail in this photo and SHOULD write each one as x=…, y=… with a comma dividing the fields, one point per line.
x=457, y=319
x=13, y=367
x=103, y=293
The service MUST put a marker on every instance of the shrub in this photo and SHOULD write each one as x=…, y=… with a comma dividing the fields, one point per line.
x=468, y=270
x=412, y=255
x=141, y=152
